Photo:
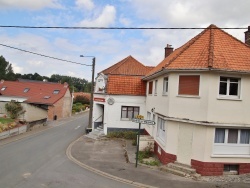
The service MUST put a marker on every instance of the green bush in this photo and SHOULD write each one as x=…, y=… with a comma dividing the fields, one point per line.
x=14, y=109
x=130, y=135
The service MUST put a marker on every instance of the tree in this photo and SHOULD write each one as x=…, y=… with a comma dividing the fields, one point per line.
x=6, y=70
x=81, y=99
x=14, y=109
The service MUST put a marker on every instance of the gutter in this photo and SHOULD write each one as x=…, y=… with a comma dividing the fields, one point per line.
x=205, y=123
x=165, y=71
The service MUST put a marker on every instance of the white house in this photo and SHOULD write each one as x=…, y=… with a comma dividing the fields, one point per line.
x=199, y=97
x=120, y=95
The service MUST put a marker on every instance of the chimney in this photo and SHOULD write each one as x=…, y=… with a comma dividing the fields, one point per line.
x=247, y=36
x=2, y=81
x=168, y=50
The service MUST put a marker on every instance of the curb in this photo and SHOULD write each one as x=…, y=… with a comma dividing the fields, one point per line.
x=30, y=133
x=99, y=172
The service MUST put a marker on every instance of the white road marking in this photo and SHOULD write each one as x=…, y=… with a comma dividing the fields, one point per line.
x=26, y=175
x=77, y=127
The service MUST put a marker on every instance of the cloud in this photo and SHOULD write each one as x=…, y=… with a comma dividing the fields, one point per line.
x=36, y=63
x=29, y=4
x=16, y=68
x=105, y=19
x=86, y=4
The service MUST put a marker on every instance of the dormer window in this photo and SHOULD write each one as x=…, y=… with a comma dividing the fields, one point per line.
x=46, y=97
x=3, y=88
x=26, y=90
x=56, y=91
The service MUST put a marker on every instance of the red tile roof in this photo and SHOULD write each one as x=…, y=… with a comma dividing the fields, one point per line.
x=126, y=85
x=125, y=77
x=128, y=66
x=37, y=91
x=212, y=49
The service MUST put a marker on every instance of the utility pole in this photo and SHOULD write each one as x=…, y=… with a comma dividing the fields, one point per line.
x=92, y=95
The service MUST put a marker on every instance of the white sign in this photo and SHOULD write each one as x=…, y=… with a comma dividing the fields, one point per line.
x=143, y=121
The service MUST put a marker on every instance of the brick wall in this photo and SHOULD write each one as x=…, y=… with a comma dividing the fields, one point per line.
x=164, y=157
x=216, y=169
x=61, y=109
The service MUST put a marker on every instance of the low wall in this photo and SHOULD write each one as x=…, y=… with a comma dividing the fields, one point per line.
x=13, y=132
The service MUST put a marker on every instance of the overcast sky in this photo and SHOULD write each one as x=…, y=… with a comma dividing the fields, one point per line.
x=108, y=46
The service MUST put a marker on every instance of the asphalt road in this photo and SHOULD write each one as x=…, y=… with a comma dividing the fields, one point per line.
x=40, y=161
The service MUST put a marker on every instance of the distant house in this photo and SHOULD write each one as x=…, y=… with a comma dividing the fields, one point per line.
x=120, y=95
x=41, y=100
x=199, y=97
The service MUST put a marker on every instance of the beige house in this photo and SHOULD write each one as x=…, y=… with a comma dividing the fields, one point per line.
x=199, y=97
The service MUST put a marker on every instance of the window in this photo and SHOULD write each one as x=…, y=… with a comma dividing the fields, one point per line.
x=232, y=136
x=150, y=87
x=26, y=90
x=153, y=117
x=155, y=92
x=165, y=85
x=189, y=84
x=161, y=128
x=56, y=91
x=3, y=88
x=129, y=112
x=46, y=97
x=229, y=86
x=148, y=115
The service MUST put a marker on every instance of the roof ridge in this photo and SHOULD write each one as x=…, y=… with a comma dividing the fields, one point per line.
x=116, y=64
x=211, y=47
x=191, y=41
x=122, y=62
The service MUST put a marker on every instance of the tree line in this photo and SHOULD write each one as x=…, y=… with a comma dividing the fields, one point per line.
x=76, y=84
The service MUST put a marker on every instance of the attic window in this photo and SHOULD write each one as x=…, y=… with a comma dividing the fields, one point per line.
x=46, y=97
x=3, y=88
x=56, y=91
x=26, y=90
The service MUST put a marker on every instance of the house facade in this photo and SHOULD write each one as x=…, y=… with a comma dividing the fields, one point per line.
x=40, y=100
x=198, y=96
x=120, y=95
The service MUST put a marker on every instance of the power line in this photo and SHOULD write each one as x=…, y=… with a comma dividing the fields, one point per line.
x=117, y=28
x=44, y=55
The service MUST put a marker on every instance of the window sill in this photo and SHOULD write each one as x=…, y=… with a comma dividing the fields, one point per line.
x=165, y=94
x=229, y=156
x=229, y=98
x=125, y=119
x=189, y=96
x=155, y=94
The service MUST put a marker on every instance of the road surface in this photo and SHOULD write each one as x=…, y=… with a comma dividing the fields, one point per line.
x=40, y=161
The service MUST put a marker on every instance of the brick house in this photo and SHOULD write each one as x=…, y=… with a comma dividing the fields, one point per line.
x=198, y=96
x=120, y=95
x=39, y=99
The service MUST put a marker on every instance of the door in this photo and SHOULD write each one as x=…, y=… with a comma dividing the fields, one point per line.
x=185, y=141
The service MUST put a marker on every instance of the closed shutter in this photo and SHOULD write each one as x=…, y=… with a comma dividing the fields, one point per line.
x=189, y=84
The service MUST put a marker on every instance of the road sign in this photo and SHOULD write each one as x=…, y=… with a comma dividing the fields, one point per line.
x=143, y=121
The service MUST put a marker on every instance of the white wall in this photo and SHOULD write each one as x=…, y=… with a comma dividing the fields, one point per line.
x=205, y=107
x=33, y=113
x=112, y=113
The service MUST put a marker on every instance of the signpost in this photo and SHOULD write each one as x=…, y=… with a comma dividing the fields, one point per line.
x=140, y=119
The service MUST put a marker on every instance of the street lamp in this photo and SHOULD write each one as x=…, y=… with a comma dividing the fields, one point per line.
x=92, y=93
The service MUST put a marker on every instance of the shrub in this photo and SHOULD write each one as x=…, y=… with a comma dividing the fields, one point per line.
x=14, y=109
x=130, y=135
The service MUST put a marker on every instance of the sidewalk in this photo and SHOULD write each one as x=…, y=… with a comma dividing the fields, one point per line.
x=108, y=156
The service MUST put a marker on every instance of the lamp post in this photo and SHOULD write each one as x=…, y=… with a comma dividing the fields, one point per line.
x=92, y=93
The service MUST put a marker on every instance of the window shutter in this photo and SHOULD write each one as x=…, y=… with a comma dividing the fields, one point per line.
x=150, y=88
x=189, y=85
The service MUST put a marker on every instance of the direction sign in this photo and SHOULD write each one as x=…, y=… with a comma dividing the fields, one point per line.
x=143, y=121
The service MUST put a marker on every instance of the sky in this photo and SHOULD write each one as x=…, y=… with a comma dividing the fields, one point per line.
x=108, y=46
